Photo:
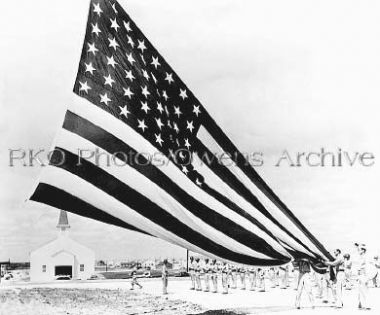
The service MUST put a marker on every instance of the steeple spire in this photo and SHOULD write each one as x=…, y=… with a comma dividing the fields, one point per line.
x=63, y=221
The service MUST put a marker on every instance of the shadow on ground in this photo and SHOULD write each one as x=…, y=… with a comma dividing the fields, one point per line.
x=220, y=312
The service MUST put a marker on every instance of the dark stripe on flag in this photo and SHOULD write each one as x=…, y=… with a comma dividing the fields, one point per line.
x=112, y=144
x=145, y=207
x=233, y=206
x=226, y=144
x=60, y=199
x=231, y=180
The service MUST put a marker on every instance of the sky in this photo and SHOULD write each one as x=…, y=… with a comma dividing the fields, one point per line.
x=276, y=75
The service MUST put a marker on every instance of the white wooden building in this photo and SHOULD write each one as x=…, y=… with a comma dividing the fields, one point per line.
x=62, y=256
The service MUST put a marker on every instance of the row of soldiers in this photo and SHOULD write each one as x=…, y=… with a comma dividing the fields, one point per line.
x=340, y=274
x=249, y=278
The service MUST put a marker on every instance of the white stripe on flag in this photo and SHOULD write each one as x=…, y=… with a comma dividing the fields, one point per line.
x=97, y=116
x=128, y=175
x=87, y=192
x=205, y=137
x=218, y=184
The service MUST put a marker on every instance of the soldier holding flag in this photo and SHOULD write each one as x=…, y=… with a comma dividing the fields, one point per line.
x=304, y=282
x=363, y=278
x=338, y=263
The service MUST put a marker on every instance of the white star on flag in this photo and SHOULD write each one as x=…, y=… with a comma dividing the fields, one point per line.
x=145, y=107
x=141, y=45
x=128, y=92
x=108, y=80
x=104, y=99
x=127, y=26
x=145, y=91
x=183, y=94
x=124, y=111
x=169, y=77
x=97, y=9
x=113, y=43
x=142, y=124
x=92, y=48
x=114, y=24
x=155, y=62
x=95, y=29
x=111, y=61
x=84, y=87
x=129, y=75
x=130, y=58
x=89, y=68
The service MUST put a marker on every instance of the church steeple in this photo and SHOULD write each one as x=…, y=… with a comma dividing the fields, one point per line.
x=63, y=221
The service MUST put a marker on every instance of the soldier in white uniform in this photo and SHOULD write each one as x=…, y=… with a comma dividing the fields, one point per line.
x=192, y=272
x=207, y=275
x=295, y=274
x=348, y=271
x=284, y=276
x=363, y=278
x=214, y=275
x=164, y=276
x=260, y=278
x=242, y=277
x=338, y=263
x=252, y=278
x=304, y=269
x=233, y=276
x=327, y=288
x=197, y=270
x=225, y=275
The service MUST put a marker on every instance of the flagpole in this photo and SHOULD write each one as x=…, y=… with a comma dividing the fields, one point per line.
x=187, y=260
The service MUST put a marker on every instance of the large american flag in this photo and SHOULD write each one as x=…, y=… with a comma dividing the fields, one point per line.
x=131, y=105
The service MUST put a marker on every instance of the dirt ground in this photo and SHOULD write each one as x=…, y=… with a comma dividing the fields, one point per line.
x=73, y=301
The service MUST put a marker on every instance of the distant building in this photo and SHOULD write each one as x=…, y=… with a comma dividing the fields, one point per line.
x=62, y=256
x=131, y=264
x=149, y=264
x=4, y=266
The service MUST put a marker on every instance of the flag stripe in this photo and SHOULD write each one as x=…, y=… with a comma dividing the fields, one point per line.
x=227, y=146
x=57, y=198
x=234, y=200
x=83, y=108
x=145, y=207
x=74, y=185
x=111, y=144
x=128, y=175
x=229, y=179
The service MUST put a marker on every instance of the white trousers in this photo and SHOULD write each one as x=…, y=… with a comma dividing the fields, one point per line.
x=192, y=277
x=340, y=277
x=363, y=291
x=304, y=284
